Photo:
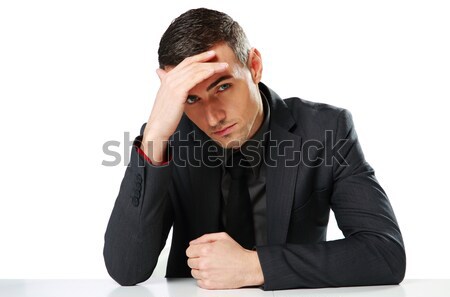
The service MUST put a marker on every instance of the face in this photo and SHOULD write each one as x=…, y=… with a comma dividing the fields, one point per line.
x=231, y=111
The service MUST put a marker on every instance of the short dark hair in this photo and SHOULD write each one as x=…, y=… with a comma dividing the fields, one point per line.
x=196, y=31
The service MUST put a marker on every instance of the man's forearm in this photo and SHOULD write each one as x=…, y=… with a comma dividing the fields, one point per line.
x=139, y=223
x=362, y=259
x=155, y=146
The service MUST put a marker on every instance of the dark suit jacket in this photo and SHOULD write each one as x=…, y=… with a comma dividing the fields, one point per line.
x=318, y=165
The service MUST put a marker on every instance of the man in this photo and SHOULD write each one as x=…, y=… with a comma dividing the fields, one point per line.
x=245, y=178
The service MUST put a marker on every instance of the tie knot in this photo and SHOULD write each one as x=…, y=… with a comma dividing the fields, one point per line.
x=239, y=166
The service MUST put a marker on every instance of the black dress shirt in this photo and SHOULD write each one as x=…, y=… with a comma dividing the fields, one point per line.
x=252, y=150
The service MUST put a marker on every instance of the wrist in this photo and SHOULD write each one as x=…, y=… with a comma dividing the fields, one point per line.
x=255, y=275
x=156, y=150
x=156, y=130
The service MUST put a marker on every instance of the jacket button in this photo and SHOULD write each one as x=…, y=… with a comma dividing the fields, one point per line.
x=135, y=201
x=137, y=193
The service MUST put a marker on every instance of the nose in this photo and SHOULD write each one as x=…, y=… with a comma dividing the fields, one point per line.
x=214, y=114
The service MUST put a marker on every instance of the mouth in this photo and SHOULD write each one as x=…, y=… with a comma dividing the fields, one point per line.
x=224, y=131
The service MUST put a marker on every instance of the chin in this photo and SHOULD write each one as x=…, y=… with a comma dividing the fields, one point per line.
x=234, y=143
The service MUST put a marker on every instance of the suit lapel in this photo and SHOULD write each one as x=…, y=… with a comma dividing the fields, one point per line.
x=283, y=163
x=282, y=168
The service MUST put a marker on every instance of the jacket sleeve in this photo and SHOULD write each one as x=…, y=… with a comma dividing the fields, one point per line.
x=140, y=221
x=372, y=252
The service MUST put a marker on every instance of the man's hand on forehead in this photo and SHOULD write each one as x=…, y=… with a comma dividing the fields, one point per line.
x=176, y=82
x=208, y=58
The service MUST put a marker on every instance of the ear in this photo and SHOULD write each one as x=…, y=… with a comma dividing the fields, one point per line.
x=254, y=64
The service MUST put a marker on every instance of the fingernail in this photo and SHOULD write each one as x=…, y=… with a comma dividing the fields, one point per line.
x=211, y=52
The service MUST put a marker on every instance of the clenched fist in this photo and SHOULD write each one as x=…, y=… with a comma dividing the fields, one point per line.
x=217, y=261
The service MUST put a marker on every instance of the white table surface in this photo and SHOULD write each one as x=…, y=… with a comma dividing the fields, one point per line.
x=159, y=287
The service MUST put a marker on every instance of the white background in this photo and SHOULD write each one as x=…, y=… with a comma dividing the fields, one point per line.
x=75, y=74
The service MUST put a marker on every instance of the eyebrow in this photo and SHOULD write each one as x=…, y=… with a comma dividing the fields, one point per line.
x=217, y=81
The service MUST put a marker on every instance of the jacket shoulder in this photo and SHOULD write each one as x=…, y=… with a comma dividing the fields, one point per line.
x=315, y=116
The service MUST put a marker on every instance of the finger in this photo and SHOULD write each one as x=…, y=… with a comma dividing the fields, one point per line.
x=193, y=251
x=207, y=68
x=193, y=263
x=195, y=274
x=199, y=250
x=202, y=57
x=194, y=74
x=188, y=78
x=207, y=238
x=188, y=72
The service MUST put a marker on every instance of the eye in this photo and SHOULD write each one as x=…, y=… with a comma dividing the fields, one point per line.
x=191, y=99
x=223, y=87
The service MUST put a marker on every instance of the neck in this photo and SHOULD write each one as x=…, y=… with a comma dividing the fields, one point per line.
x=258, y=118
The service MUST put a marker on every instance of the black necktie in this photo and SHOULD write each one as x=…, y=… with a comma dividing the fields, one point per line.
x=238, y=209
